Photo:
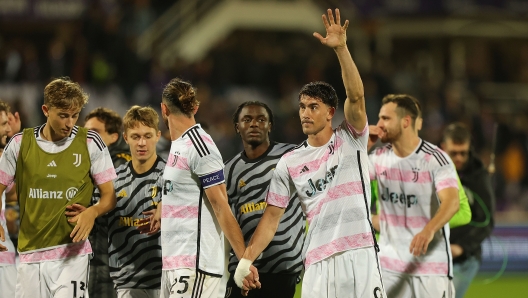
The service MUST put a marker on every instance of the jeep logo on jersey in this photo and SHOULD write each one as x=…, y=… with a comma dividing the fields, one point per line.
x=320, y=184
x=406, y=200
x=378, y=293
x=167, y=187
x=71, y=192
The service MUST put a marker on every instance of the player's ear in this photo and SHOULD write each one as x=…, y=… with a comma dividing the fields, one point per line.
x=125, y=137
x=236, y=129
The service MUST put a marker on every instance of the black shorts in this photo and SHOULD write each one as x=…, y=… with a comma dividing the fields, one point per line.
x=273, y=285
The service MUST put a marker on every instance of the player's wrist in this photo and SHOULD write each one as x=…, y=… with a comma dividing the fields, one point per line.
x=242, y=271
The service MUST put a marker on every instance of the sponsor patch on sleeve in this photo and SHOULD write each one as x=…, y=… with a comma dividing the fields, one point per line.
x=212, y=179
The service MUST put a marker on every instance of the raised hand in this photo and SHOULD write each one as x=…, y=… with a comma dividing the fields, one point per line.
x=335, y=33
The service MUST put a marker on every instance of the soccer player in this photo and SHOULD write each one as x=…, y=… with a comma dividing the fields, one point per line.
x=195, y=209
x=108, y=124
x=466, y=240
x=418, y=189
x=248, y=177
x=7, y=249
x=135, y=258
x=54, y=165
x=329, y=172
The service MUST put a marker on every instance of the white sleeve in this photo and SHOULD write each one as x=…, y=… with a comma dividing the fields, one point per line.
x=358, y=139
x=102, y=169
x=8, y=161
x=444, y=173
x=209, y=168
x=280, y=186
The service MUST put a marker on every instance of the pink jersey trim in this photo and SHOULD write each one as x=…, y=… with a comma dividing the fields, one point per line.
x=414, y=222
x=7, y=258
x=277, y=200
x=5, y=178
x=169, y=211
x=62, y=252
x=338, y=245
x=435, y=268
x=314, y=165
x=357, y=133
x=335, y=193
x=447, y=183
x=177, y=162
x=179, y=262
x=105, y=176
x=396, y=174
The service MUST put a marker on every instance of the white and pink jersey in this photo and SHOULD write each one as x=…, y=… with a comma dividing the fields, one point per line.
x=408, y=200
x=6, y=257
x=333, y=185
x=101, y=169
x=190, y=234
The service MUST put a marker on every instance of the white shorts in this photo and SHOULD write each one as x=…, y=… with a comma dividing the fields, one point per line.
x=410, y=286
x=8, y=274
x=187, y=283
x=137, y=293
x=67, y=278
x=352, y=274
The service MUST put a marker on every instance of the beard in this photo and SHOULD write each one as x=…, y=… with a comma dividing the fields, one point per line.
x=391, y=136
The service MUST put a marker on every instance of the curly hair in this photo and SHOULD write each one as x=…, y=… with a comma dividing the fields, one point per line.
x=141, y=115
x=111, y=119
x=180, y=97
x=321, y=90
x=64, y=94
x=236, y=114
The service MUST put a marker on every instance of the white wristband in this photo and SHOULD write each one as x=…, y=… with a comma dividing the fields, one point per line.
x=242, y=271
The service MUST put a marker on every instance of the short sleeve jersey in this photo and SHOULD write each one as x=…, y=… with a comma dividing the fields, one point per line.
x=190, y=234
x=6, y=257
x=408, y=200
x=247, y=184
x=134, y=258
x=101, y=171
x=332, y=183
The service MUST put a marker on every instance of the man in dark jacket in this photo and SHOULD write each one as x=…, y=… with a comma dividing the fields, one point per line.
x=466, y=240
x=109, y=125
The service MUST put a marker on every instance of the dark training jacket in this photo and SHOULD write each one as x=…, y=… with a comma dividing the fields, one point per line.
x=477, y=184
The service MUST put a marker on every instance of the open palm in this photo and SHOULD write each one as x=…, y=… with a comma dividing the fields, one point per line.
x=335, y=33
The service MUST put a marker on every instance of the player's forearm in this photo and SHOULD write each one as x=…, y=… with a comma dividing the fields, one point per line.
x=106, y=204
x=375, y=222
x=231, y=230
x=350, y=74
x=264, y=233
x=447, y=209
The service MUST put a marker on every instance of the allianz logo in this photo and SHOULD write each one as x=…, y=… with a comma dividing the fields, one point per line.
x=39, y=193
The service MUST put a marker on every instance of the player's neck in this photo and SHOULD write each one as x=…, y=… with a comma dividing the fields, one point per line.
x=255, y=152
x=142, y=167
x=178, y=124
x=406, y=144
x=49, y=135
x=321, y=138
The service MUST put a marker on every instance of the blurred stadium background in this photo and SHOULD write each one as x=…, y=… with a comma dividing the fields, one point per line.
x=466, y=60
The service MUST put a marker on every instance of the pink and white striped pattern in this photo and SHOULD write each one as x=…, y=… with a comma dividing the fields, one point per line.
x=339, y=245
x=7, y=258
x=416, y=268
x=168, y=211
x=179, y=261
x=58, y=253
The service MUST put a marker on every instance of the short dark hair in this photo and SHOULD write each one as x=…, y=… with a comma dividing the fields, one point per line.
x=321, y=90
x=457, y=132
x=112, y=121
x=252, y=103
x=406, y=105
x=180, y=96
